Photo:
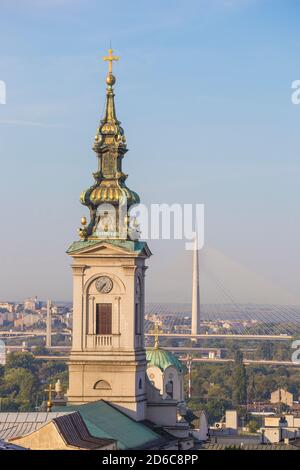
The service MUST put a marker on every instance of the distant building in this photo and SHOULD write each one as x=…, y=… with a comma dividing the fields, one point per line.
x=231, y=420
x=32, y=304
x=27, y=320
x=7, y=316
x=282, y=396
x=280, y=428
x=227, y=426
x=10, y=307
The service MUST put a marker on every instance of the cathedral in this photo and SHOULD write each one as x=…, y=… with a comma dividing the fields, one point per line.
x=108, y=360
x=126, y=397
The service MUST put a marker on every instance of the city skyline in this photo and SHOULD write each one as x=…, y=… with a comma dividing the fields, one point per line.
x=227, y=157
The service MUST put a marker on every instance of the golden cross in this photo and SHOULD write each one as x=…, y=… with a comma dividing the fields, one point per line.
x=156, y=333
x=110, y=58
x=49, y=403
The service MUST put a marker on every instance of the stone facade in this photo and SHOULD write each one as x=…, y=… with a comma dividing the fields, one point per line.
x=109, y=366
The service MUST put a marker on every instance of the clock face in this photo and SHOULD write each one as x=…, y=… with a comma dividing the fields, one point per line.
x=104, y=284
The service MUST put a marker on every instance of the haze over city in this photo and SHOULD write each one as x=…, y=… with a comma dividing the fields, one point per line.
x=212, y=82
x=149, y=251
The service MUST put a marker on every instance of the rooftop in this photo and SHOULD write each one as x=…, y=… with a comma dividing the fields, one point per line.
x=104, y=420
x=75, y=433
x=21, y=423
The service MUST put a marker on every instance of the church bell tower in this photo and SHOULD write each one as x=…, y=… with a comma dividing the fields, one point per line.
x=107, y=359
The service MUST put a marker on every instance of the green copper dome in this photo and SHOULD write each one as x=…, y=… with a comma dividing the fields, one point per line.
x=163, y=359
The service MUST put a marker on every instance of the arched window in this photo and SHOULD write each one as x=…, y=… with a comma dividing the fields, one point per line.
x=140, y=384
x=169, y=389
x=102, y=385
x=138, y=309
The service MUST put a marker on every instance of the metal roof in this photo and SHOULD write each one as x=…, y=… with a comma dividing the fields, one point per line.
x=101, y=418
x=75, y=433
x=8, y=446
x=104, y=420
x=162, y=358
x=20, y=424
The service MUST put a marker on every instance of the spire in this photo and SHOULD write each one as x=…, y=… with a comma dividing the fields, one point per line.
x=195, y=293
x=109, y=125
x=109, y=187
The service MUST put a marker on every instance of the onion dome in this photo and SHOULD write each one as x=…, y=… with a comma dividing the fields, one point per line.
x=109, y=192
x=162, y=359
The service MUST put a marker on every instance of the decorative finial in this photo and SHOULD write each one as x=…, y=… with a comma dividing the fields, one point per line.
x=156, y=333
x=110, y=79
x=49, y=402
x=58, y=387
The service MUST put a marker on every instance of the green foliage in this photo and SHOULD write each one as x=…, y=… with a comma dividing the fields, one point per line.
x=24, y=378
x=41, y=351
x=25, y=360
x=217, y=387
x=253, y=426
x=19, y=382
x=215, y=408
x=239, y=380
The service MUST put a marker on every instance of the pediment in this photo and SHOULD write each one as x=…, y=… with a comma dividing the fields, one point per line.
x=109, y=248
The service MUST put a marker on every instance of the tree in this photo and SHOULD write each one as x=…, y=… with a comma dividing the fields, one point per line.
x=266, y=350
x=251, y=389
x=253, y=426
x=20, y=383
x=216, y=391
x=239, y=380
x=41, y=351
x=215, y=409
x=24, y=360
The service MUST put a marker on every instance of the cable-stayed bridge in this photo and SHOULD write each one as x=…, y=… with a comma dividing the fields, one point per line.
x=230, y=320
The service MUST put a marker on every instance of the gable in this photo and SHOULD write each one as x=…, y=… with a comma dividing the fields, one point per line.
x=45, y=438
x=109, y=248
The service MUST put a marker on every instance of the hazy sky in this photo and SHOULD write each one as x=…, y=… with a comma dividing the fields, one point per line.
x=204, y=94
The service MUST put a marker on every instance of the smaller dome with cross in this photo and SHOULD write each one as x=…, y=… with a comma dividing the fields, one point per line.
x=162, y=359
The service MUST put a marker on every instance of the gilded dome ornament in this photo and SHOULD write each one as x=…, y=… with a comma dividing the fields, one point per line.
x=109, y=188
x=110, y=79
